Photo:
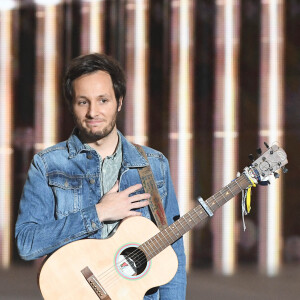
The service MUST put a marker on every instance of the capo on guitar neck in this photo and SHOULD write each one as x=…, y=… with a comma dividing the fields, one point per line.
x=205, y=206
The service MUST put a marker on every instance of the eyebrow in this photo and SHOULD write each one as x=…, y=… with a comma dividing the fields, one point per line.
x=100, y=96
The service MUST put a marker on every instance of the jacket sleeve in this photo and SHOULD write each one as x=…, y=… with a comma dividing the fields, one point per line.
x=176, y=288
x=37, y=231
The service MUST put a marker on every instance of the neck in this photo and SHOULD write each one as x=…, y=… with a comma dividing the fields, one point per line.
x=188, y=221
x=107, y=145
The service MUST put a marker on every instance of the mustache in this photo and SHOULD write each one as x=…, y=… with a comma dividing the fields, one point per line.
x=94, y=119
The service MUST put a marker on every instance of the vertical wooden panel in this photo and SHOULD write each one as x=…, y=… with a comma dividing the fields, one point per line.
x=181, y=95
x=226, y=131
x=47, y=75
x=6, y=151
x=93, y=20
x=271, y=131
x=136, y=117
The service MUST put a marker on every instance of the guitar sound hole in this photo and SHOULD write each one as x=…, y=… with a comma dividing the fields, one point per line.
x=134, y=259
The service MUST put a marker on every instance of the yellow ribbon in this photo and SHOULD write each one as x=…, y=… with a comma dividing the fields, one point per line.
x=248, y=199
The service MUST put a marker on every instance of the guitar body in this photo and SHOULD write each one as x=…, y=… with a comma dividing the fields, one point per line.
x=62, y=275
x=138, y=256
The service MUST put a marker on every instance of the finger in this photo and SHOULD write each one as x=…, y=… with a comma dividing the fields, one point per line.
x=134, y=213
x=133, y=188
x=139, y=204
x=115, y=188
x=139, y=197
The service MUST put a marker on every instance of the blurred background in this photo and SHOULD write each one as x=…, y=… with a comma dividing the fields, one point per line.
x=207, y=83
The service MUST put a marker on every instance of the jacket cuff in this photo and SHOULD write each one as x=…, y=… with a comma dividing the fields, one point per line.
x=90, y=219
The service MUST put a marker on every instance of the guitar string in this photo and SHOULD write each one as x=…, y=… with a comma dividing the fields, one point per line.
x=140, y=258
x=137, y=254
x=191, y=215
x=113, y=281
x=113, y=278
x=116, y=280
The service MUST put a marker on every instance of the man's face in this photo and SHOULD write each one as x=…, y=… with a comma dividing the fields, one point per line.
x=95, y=106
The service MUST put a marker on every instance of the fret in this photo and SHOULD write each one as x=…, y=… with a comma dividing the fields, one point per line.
x=236, y=182
x=188, y=223
x=235, y=187
x=183, y=225
x=155, y=242
x=226, y=193
x=223, y=196
x=146, y=251
x=202, y=212
x=169, y=235
x=166, y=238
x=149, y=243
x=192, y=218
x=158, y=235
x=199, y=215
x=167, y=231
x=155, y=250
x=179, y=222
x=172, y=227
x=216, y=201
x=230, y=190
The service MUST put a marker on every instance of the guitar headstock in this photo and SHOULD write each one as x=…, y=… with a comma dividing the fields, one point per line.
x=268, y=163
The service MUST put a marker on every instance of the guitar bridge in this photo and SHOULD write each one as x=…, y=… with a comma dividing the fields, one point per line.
x=94, y=284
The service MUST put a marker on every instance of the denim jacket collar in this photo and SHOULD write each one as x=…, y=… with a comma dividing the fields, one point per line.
x=131, y=156
x=74, y=144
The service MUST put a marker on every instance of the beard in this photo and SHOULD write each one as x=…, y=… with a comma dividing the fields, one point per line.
x=88, y=136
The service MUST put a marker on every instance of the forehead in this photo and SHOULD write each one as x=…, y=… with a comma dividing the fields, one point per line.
x=96, y=82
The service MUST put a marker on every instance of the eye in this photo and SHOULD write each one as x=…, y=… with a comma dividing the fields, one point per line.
x=103, y=100
x=82, y=102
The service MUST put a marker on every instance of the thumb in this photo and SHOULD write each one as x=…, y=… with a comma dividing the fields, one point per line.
x=115, y=188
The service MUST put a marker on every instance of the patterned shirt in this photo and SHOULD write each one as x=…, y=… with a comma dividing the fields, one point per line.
x=109, y=173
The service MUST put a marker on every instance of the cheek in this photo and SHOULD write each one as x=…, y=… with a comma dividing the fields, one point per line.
x=78, y=114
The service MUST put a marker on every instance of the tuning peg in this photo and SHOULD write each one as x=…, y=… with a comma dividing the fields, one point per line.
x=266, y=145
x=258, y=151
x=251, y=157
x=276, y=175
x=284, y=169
x=265, y=182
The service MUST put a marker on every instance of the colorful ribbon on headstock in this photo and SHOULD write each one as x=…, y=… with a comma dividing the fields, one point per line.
x=246, y=201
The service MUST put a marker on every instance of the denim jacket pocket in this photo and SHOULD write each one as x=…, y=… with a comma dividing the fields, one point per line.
x=161, y=187
x=162, y=192
x=67, y=192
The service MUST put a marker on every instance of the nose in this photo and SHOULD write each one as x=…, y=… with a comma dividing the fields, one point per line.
x=92, y=111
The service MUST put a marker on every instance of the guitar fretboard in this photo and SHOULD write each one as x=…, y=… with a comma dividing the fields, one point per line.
x=184, y=224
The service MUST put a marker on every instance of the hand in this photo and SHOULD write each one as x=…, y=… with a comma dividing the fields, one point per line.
x=116, y=205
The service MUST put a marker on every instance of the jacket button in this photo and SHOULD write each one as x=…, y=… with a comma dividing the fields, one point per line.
x=94, y=225
x=92, y=181
x=89, y=156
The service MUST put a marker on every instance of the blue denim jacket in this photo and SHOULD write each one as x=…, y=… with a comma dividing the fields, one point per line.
x=59, y=197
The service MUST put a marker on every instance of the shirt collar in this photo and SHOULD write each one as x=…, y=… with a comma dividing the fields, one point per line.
x=131, y=156
x=115, y=155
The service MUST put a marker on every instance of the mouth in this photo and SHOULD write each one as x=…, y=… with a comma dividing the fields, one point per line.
x=92, y=123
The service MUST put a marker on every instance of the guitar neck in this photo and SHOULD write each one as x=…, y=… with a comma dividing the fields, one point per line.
x=188, y=221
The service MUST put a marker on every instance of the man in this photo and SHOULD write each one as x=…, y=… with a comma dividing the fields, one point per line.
x=83, y=187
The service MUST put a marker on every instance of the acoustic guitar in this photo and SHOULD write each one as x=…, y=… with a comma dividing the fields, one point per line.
x=138, y=256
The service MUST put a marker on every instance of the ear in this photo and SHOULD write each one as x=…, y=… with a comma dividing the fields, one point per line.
x=120, y=104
